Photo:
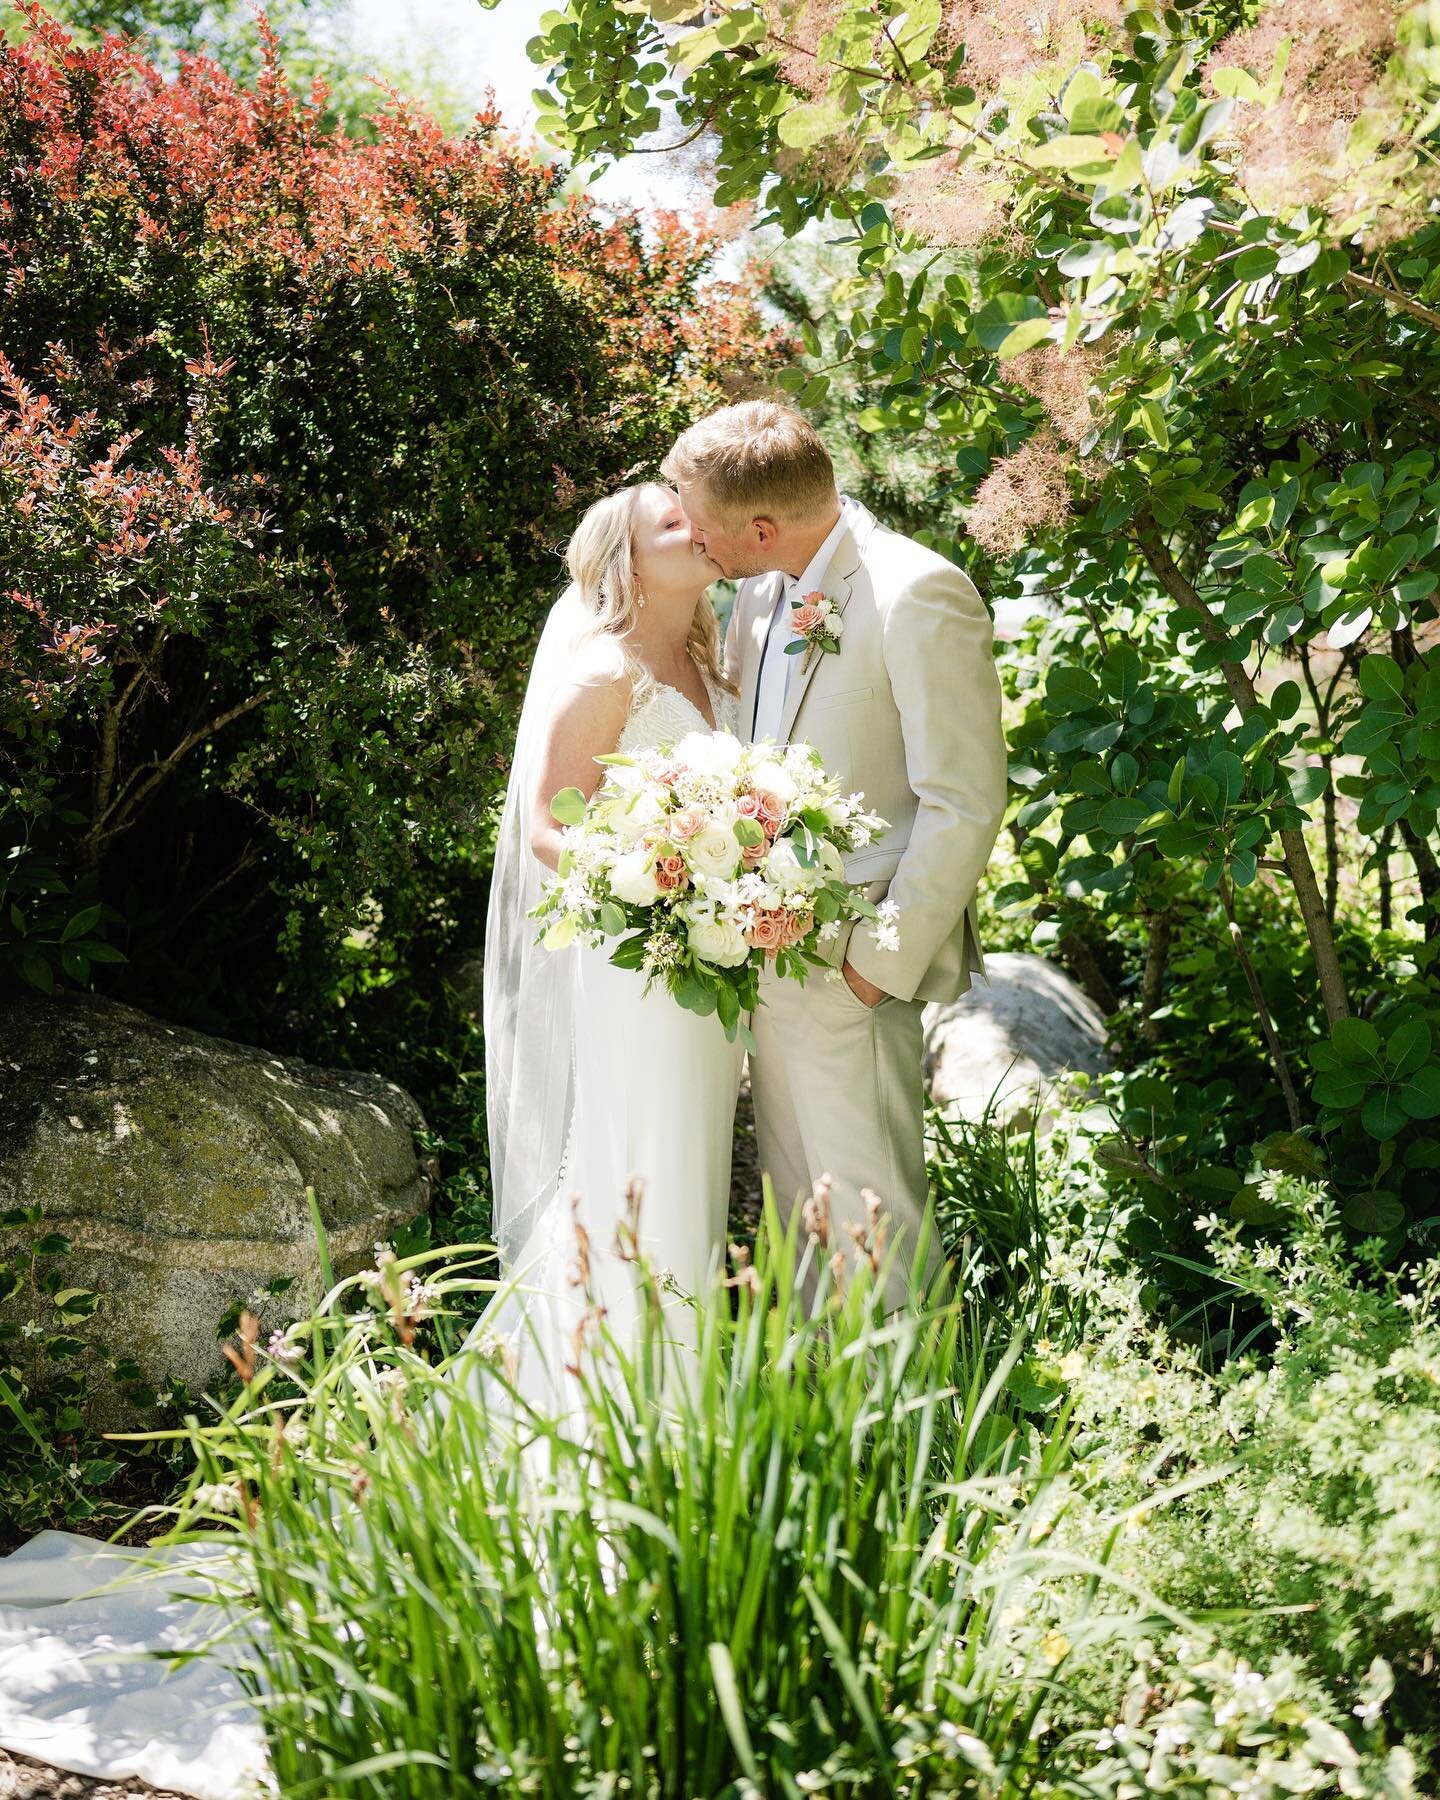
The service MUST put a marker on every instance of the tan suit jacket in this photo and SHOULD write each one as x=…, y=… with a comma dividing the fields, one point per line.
x=908, y=712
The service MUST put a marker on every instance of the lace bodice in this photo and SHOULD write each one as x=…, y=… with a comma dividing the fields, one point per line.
x=664, y=714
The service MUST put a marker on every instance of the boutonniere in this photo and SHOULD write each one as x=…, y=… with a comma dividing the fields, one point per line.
x=817, y=625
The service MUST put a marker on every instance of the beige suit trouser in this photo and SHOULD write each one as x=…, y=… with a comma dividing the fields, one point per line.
x=838, y=1091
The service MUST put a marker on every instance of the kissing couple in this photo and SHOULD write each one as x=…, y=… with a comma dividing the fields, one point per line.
x=611, y=1108
x=600, y=1092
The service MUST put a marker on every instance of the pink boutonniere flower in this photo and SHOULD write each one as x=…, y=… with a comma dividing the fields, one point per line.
x=817, y=625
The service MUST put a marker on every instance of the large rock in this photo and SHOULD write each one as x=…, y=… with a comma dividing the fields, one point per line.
x=1021, y=1034
x=177, y=1163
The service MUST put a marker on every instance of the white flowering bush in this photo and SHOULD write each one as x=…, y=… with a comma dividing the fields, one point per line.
x=707, y=858
x=1289, y=1499
x=1202, y=1722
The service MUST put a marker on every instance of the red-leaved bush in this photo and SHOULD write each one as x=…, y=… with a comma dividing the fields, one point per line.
x=291, y=427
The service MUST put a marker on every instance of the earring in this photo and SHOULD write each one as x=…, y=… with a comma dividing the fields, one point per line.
x=640, y=599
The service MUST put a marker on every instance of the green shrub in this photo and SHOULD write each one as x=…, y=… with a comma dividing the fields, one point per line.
x=292, y=425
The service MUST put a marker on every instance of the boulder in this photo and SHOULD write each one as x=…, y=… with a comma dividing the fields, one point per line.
x=1017, y=1036
x=177, y=1163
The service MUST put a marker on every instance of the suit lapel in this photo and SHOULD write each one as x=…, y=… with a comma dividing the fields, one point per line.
x=839, y=578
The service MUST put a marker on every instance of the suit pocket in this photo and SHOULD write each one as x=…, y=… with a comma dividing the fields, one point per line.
x=845, y=697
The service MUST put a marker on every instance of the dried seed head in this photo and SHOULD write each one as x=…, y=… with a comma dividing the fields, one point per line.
x=580, y=1268
x=815, y=1214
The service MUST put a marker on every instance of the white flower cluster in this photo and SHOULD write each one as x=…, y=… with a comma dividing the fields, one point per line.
x=721, y=854
x=887, y=927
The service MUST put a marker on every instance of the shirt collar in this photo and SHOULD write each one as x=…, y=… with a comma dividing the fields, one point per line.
x=814, y=572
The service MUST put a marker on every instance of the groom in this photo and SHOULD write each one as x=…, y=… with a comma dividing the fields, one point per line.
x=907, y=710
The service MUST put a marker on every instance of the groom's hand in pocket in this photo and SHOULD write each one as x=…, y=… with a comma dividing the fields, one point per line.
x=860, y=987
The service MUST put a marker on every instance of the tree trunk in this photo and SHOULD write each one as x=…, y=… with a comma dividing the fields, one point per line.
x=1157, y=957
x=1292, y=843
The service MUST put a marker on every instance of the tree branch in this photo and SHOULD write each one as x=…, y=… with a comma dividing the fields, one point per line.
x=1242, y=691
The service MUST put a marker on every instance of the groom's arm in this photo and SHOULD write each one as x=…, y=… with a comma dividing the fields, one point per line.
x=939, y=656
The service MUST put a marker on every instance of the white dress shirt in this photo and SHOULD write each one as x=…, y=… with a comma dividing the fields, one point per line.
x=777, y=670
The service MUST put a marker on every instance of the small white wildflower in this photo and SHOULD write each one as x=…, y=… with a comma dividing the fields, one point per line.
x=73, y=1471
x=283, y=1351
x=420, y=1296
x=31, y=1329
x=215, y=1496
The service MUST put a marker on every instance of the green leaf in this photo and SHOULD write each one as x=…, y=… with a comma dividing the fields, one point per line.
x=1119, y=817
x=805, y=126
x=560, y=935
x=1339, y=1091
x=1420, y=1095
x=1124, y=772
x=1356, y=1041
x=76, y=1303
x=727, y=1004
x=1382, y=1114
x=1376, y=1214
x=568, y=806
x=612, y=918
x=1024, y=336
x=1381, y=677
x=1408, y=1046
x=1258, y=261
x=81, y=923
x=998, y=317
x=1072, y=152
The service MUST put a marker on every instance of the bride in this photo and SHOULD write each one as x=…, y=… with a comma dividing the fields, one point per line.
x=596, y=1089
x=610, y=1115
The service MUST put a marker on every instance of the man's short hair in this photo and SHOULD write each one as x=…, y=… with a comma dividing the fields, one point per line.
x=756, y=458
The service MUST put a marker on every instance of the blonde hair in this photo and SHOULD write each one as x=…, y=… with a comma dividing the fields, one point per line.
x=756, y=457
x=601, y=559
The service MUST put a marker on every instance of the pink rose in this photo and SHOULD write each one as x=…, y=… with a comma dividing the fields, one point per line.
x=689, y=822
x=795, y=929
x=805, y=618
x=671, y=873
x=766, y=930
x=772, y=814
x=752, y=855
x=748, y=805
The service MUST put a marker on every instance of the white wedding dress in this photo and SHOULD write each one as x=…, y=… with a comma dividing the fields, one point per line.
x=654, y=1090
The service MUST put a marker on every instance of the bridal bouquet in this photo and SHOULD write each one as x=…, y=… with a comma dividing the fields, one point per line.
x=707, y=857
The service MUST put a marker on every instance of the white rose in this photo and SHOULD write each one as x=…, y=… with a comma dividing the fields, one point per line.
x=634, y=820
x=785, y=869
x=831, y=861
x=770, y=778
x=709, y=752
x=633, y=879
x=714, y=851
x=715, y=941
x=835, y=624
